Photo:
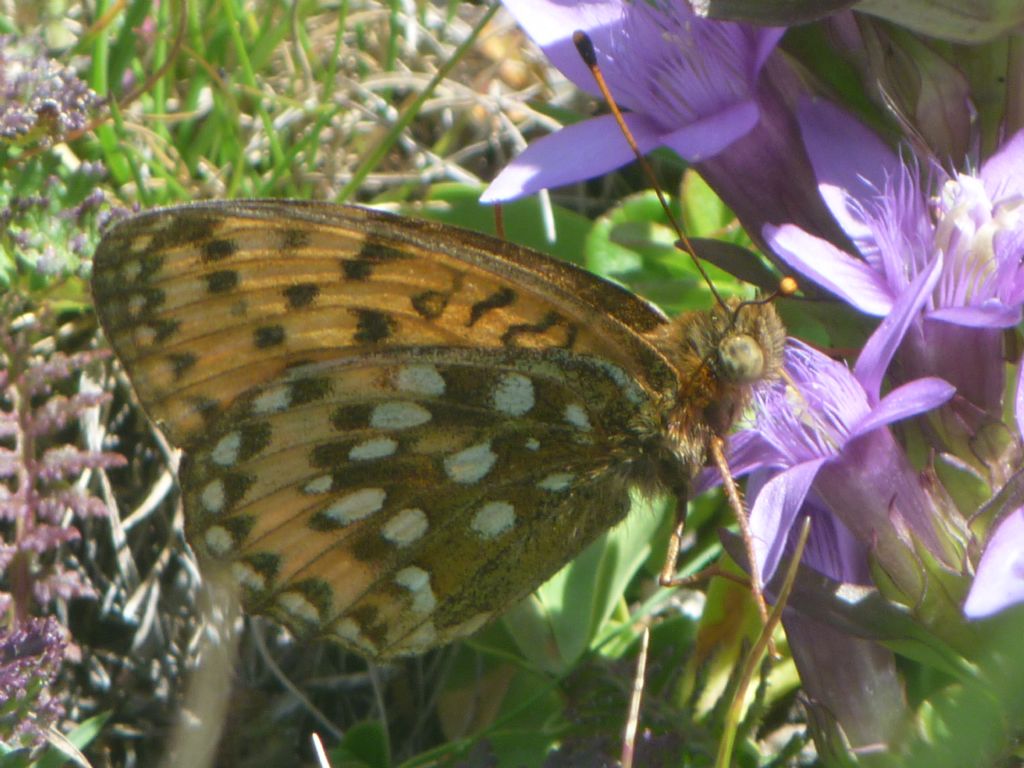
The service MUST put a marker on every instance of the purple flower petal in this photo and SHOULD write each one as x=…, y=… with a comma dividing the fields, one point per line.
x=686, y=81
x=707, y=137
x=1003, y=173
x=852, y=279
x=1018, y=401
x=1007, y=245
x=846, y=155
x=992, y=314
x=765, y=177
x=879, y=349
x=999, y=582
x=774, y=511
x=576, y=152
x=678, y=68
x=747, y=451
x=865, y=480
x=766, y=38
x=903, y=402
x=832, y=549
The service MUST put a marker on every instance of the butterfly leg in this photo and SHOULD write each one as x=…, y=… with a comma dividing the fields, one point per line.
x=732, y=493
x=668, y=577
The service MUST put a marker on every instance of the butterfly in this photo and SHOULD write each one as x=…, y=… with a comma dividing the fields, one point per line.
x=395, y=429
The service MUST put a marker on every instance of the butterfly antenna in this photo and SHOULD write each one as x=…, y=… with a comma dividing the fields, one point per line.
x=585, y=46
x=788, y=286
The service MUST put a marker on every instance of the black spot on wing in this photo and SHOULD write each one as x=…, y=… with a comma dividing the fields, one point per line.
x=367, y=617
x=430, y=304
x=294, y=238
x=217, y=250
x=266, y=564
x=268, y=336
x=254, y=439
x=165, y=328
x=370, y=255
x=301, y=295
x=237, y=526
x=311, y=390
x=207, y=409
x=356, y=269
x=500, y=298
x=330, y=455
x=515, y=335
x=222, y=281
x=373, y=326
x=236, y=484
x=185, y=231
x=346, y=418
x=182, y=363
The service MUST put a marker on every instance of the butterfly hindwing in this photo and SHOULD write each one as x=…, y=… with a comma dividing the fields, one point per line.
x=400, y=497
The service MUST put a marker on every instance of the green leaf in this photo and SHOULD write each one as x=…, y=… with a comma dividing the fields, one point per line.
x=562, y=619
x=515, y=711
x=705, y=214
x=365, y=745
x=768, y=12
x=14, y=758
x=459, y=204
x=635, y=244
x=81, y=736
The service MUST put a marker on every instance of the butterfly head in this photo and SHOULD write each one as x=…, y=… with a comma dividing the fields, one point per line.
x=720, y=354
x=750, y=347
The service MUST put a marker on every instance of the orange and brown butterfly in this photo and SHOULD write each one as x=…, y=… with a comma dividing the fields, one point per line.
x=395, y=429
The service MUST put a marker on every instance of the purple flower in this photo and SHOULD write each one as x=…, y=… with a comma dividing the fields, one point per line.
x=824, y=449
x=999, y=581
x=40, y=98
x=953, y=240
x=30, y=658
x=688, y=84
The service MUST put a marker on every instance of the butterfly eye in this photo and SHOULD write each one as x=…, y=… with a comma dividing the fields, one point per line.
x=741, y=360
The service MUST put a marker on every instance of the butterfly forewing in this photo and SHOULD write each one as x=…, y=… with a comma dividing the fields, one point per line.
x=395, y=429
x=202, y=301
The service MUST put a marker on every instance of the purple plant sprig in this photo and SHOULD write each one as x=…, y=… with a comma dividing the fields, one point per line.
x=30, y=658
x=40, y=473
x=41, y=100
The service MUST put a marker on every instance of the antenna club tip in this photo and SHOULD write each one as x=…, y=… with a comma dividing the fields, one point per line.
x=585, y=47
x=788, y=286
